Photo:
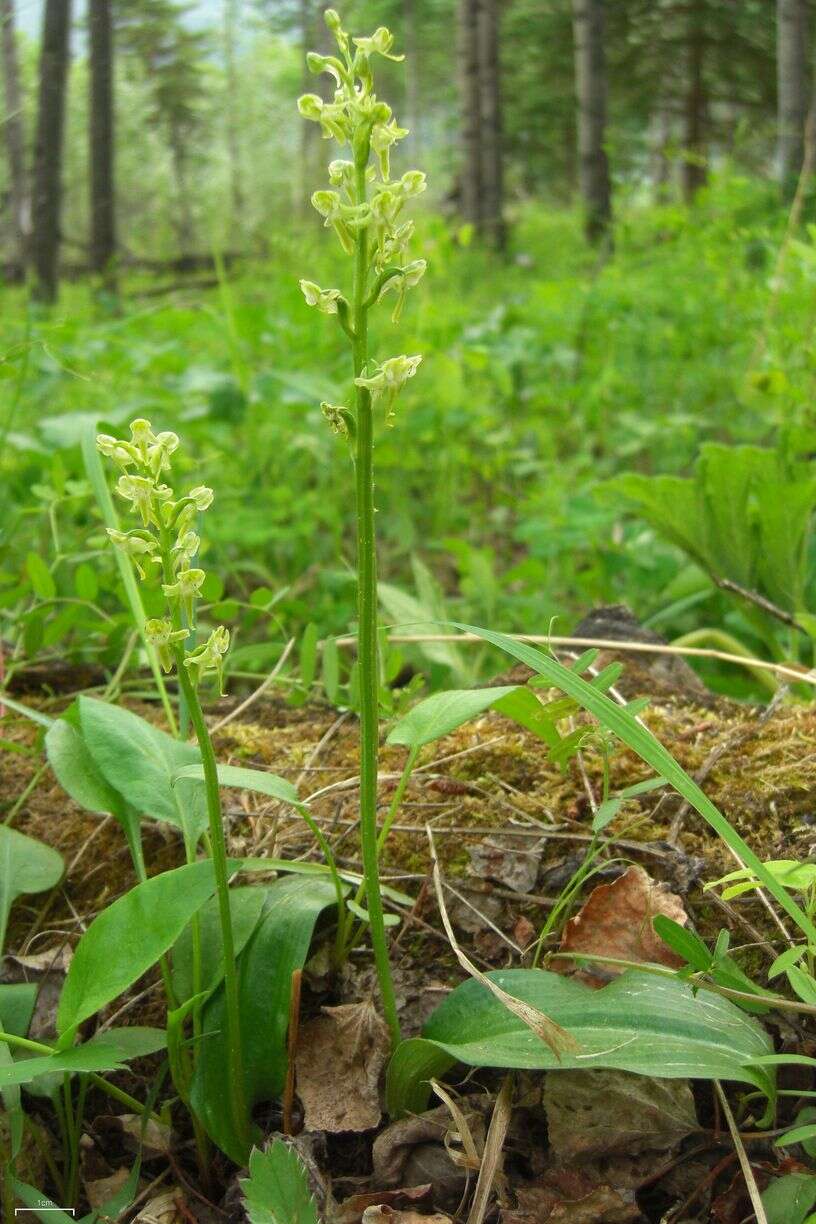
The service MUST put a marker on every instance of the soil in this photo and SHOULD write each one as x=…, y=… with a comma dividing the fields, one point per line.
x=491, y=796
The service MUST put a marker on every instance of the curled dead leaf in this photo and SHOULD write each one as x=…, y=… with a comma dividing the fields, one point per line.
x=387, y=1215
x=616, y=921
x=340, y=1057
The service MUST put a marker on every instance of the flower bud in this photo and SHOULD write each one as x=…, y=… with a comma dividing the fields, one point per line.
x=310, y=107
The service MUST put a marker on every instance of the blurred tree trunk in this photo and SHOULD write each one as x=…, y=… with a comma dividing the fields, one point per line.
x=184, y=226
x=493, y=227
x=792, y=88
x=591, y=92
x=412, y=115
x=233, y=141
x=15, y=139
x=470, y=172
x=101, y=134
x=47, y=200
x=695, y=169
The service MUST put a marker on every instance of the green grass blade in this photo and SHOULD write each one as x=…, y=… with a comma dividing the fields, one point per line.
x=618, y=720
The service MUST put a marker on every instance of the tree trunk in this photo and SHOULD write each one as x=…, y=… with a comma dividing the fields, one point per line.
x=491, y=134
x=695, y=169
x=47, y=200
x=233, y=140
x=591, y=92
x=101, y=133
x=183, y=222
x=15, y=140
x=412, y=60
x=470, y=170
x=792, y=88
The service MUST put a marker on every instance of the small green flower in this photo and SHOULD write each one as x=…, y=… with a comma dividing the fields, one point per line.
x=406, y=278
x=324, y=299
x=380, y=43
x=140, y=491
x=120, y=452
x=139, y=547
x=186, y=548
x=185, y=589
x=210, y=656
x=383, y=136
x=388, y=379
x=339, y=418
x=202, y=497
x=159, y=452
x=161, y=634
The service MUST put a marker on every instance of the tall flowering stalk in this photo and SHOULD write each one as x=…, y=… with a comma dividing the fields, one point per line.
x=363, y=206
x=166, y=539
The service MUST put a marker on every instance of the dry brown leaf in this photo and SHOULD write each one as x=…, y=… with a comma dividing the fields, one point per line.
x=152, y=1139
x=351, y=1211
x=569, y=1196
x=508, y=861
x=163, y=1209
x=387, y=1215
x=616, y=920
x=599, y=1113
x=98, y=1192
x=340, y=1056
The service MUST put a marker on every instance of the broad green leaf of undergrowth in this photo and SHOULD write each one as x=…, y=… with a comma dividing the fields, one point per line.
x=80, y=777
x=622, y=724
x=442, y=713
x=17, y=1002
x=249, y=779
x=640, y=1022
x=140, y=761
x=26, y=866
x=789, y=1199
x=245, y=906
x=277, y=1189
x=128, y=937
x=279, y=945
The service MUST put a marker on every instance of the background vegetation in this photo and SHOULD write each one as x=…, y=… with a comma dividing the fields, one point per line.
x=551, y=363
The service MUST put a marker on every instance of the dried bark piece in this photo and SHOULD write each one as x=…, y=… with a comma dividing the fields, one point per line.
x=616, y=920
x=600, y=1113
x=340, y=1056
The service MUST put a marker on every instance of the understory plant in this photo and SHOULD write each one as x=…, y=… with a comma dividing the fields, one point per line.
x=364, y=206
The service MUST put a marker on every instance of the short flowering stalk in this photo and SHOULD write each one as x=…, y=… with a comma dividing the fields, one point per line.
x=166, y=540
x=364, y=208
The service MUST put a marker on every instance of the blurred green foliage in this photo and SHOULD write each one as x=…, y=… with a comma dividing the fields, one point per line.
x=544, y=376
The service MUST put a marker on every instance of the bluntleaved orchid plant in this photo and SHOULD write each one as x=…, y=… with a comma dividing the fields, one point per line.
x=364, y=206
x=166, y=539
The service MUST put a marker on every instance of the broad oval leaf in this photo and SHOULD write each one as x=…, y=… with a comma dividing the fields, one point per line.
x=26, y=866
x=279, y=945
x=442, y=713
x=641, y=1022
x=140, y=761
x=245, y=906
x=244, y=779
x=128, y=937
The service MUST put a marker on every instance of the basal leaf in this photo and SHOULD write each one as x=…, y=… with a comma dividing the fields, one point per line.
x=279, y=945
x=442, y=713
x=26, y=866
x=140, y=761
x=107, y=1052
x=128, y=937
x=641, y=1022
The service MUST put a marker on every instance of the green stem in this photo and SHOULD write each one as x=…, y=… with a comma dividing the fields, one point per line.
x=218, y=851
x=367, y=620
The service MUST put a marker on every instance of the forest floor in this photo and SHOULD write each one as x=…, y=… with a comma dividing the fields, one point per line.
x=511, y=829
